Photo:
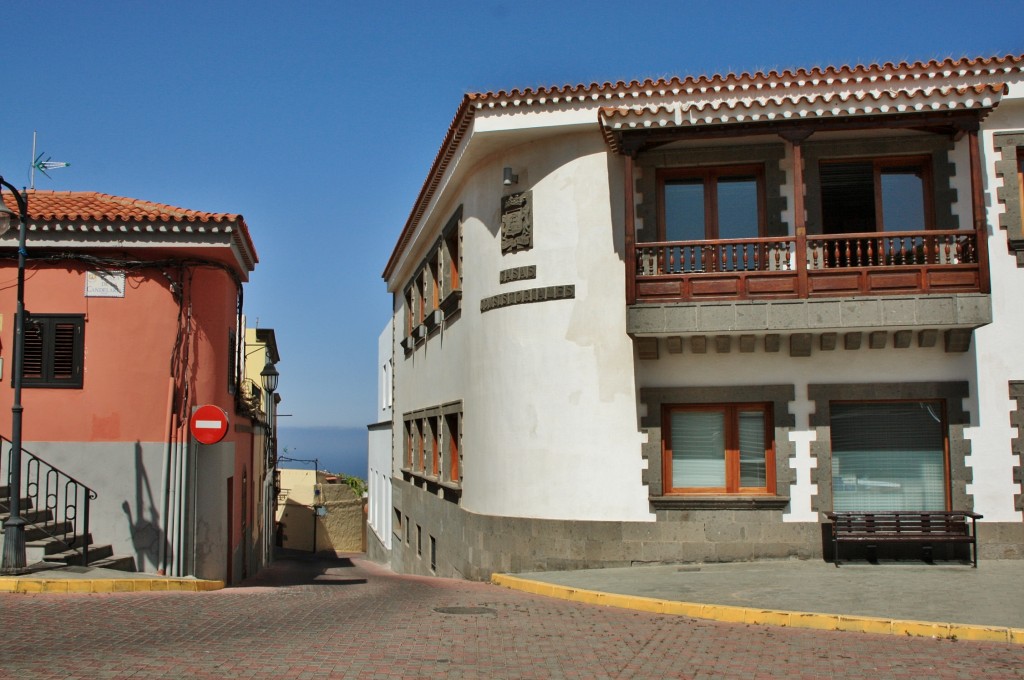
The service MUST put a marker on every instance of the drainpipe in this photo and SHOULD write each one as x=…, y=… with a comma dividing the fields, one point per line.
x=188, y=542
x=165, y=481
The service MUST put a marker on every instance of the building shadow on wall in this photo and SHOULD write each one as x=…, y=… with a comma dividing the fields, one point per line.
x=144, y=519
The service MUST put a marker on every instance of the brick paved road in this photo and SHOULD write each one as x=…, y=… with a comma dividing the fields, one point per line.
x=319, y=620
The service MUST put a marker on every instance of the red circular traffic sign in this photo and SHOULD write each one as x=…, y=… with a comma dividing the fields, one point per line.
x=208, y=424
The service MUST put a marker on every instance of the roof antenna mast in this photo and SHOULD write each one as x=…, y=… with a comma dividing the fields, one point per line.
x=41, y=164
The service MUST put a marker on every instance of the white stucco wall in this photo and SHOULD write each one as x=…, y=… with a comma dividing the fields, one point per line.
x=549, y=425
x=379, y=460
x=997, y=346
x=550, y=388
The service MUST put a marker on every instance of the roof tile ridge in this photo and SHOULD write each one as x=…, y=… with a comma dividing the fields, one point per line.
x=165, y=211
x=752, y=79
x=806, y=98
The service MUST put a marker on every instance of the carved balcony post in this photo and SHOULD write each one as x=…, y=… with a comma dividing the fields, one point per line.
x=630, y=240
x=978, y=210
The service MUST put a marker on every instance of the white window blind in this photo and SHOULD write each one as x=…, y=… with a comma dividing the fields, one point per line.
x=888, y=456
x=753, y=471
x=698, y=449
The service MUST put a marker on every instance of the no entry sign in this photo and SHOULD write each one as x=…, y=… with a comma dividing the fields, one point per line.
x=208, y=424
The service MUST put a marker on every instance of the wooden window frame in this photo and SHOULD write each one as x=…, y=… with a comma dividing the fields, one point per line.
x=46, y=350
x=420, y=463
x=410, y=314
x=409, y=444
x=421, y=296
x=881, y=163
x=454, y=260
x=732, y=458
x=435, y=446
x=450, y=248
x=435, y=269
x=946, y=463
x=454, y=439
x=1020, y=179
x=710, y=176
x=432, y=444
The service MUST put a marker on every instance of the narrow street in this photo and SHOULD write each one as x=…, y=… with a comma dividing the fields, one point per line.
x=348, y=618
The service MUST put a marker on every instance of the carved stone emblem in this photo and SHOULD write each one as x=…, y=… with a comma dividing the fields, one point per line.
x=516, y=222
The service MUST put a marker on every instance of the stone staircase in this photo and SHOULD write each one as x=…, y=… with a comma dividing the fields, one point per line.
x=49, y=542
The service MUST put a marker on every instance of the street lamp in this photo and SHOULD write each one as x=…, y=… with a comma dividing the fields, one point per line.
x=14, y=528
x=269, y=377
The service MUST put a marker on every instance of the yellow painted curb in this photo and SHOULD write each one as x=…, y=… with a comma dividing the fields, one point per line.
x=16, y=584
x=765, y=617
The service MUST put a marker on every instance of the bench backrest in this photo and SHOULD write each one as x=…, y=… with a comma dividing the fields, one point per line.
x=901, y=522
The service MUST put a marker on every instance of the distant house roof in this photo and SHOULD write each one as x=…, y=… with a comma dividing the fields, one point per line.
x=831, y=91
x=93, y=219
x=268, y=338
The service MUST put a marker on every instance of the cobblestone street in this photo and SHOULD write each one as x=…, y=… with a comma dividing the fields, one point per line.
x=352, y=619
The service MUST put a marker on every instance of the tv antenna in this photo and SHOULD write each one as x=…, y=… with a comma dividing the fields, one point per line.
x=42, y=164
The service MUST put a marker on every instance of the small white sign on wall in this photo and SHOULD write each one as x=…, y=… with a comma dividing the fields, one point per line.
x=104, y=284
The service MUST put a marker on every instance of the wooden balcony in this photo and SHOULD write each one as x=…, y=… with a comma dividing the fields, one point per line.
x=846, y=265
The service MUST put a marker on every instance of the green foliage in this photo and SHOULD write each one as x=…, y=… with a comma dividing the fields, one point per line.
x=357, y=485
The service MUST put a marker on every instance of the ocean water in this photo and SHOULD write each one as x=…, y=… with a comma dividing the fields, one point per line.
x=337, y=449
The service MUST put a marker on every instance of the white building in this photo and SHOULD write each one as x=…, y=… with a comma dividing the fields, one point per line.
x=378, y=478
x=679, y=320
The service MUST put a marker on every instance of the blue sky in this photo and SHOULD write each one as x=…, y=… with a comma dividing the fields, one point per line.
x=318, y=120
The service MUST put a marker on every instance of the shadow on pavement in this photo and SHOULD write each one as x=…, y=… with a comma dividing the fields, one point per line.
x=296, y=568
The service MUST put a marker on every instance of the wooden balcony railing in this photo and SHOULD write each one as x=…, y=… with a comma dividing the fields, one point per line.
x=909, y=262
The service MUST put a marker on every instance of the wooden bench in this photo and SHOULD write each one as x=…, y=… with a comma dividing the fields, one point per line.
x=870, y=528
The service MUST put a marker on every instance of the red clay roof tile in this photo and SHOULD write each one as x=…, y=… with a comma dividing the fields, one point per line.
x=91, y=205
x=746, y=79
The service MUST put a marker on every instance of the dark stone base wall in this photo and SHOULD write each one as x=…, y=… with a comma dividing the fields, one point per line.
x=1001, y=540
x=473, y=546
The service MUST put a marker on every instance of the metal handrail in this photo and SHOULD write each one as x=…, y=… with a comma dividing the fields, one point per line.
x=55, y=498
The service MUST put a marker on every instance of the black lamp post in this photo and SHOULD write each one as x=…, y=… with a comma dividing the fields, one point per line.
x=269, y=377
x=14, y=528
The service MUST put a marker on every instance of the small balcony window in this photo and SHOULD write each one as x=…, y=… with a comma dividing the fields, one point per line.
x=711, y=203
x=883, y=194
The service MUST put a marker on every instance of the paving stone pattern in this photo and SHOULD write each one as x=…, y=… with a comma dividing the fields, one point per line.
x=350, y=618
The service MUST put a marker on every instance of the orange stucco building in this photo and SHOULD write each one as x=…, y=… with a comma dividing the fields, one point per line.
x=135, y=320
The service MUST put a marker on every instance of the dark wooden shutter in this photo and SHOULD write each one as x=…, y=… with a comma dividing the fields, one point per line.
x=54, y=351
x=32, y=365
x=63, y=351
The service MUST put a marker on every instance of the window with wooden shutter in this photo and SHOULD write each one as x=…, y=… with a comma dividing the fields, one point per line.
x=54, y=350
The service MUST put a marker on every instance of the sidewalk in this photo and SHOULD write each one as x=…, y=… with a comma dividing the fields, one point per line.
x=914, y=598
x=43, y=578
